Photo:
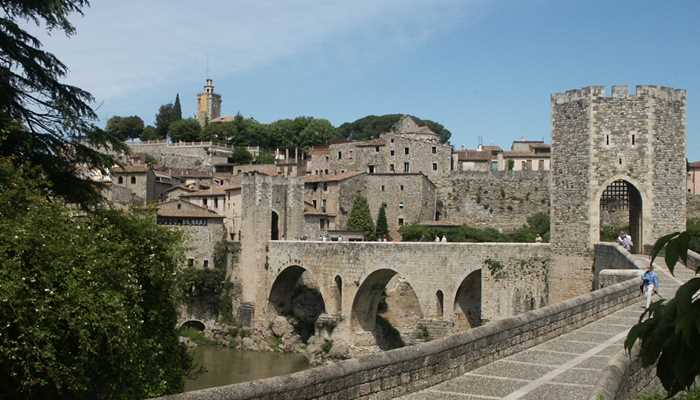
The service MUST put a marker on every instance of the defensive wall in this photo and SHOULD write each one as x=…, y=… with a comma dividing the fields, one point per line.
x=397, y=372
x=499, y=199
x=452, y=281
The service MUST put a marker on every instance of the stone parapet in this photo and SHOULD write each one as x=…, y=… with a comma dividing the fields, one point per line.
x=624, y=378
x=620, y=91
x=409, y=369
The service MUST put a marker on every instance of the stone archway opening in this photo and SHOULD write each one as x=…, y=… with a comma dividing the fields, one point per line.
x=194, y=324
x=439, y=303
x=386, y=307
x=467, y=304
x=296, y=296
x=621, y=210
x=338, y=295
x=274, y=226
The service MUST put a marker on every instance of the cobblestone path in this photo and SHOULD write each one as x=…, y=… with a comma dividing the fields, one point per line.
x=566, y=367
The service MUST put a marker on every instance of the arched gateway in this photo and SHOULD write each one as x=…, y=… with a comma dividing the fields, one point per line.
x=613, y=155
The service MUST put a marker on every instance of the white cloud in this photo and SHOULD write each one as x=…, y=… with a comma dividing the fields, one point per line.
x=130, y=45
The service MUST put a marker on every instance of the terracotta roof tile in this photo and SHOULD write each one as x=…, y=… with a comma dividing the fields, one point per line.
x=474, y=155
x=125, y=169
x=185, y=209
x=694, y=165
x=212, y=191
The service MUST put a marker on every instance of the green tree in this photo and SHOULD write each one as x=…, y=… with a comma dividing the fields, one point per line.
x=510, y=164
x=125, y=127
x=372, y=126
x=87, y=302
x=241, y=155
x=265, y=157
x=177, y=109
x=42, y=121
x=360, y=219
x=316, y=132
x=185, y=130
x=165, y=117
x=382, y=231
x=668, y=331
x=150, y=133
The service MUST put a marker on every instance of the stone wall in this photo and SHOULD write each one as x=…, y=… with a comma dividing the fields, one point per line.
x=693, y=206
x=612, y=256
x=394, y=373
x=501, y=199
x=624, y=378
x=183, y=155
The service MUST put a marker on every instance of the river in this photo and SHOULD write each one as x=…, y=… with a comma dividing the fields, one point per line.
x=226, y=366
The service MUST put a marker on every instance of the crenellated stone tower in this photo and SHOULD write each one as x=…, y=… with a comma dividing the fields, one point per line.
x=621, y=152
x=272, y=208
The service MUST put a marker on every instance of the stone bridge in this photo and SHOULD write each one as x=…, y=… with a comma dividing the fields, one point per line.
x=457, y=285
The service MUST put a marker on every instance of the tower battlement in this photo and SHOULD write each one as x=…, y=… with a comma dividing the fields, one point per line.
x=620, y=91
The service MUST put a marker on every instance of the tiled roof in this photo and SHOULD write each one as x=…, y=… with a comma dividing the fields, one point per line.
x=694, y=165
x=372, y=142
x=185, y=209
x=125, y=169
x=212, y=191
x=187, y=172
x=233, y=184
x=540, y=145
x=331, y=178
x=524, y=154
x=474, y=155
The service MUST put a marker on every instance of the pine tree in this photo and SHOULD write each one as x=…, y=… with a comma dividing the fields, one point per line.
x=177, y=109
x=382, y=230
x=360, y=219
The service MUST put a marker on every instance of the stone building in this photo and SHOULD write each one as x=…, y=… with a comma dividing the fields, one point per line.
x=213, y=198
x=202, y=228
x=409, y=199
x=183, y=155
x=407, y=148
x=208, y=104
x=139, y=179
x=524, y=155
x=611, y=151
x=694, y=178
x=473, y=160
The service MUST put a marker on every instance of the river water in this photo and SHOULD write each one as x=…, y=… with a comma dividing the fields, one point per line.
x=226, y=366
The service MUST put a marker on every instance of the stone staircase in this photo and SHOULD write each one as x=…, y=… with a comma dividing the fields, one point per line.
x=566, y=367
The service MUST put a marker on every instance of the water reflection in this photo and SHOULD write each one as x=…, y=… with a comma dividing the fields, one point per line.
x=226, y=366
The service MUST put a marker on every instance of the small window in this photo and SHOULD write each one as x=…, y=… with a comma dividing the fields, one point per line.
x=392, y=140
x=371, y=169
x=391, y=153
x=314, y=186
x=401, y=188
x=216, y=202
x=322, y=223
x=190, y=262
x=204, y=201
x=434, y=150
x=607, y=140
x=405, y=150
x=382, y=188
x=323, y=205
x=133, y=180
x=314, y=203
x=326, y=158
x=376, y=149
x=400, y=221
x=325, y=171
x=620, y=161
x=340, y=155
x=121, y=180
x=391, y=168
x=434, y=166
x=406, y=167
x=401, y=204
x=206, y=264
x=179, y=206
x=632, y=140
x=325, y=186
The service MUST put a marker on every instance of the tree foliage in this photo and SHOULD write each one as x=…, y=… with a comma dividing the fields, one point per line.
x=669, y=331
x=538, y=224
x=43, y=121
x=241, y=155
x=360, y=219
x=125, y=128
x=87, y=301
x=372, y=126
x=382, y=231
x=185, y=130
x=177, y=108
x=167, y=114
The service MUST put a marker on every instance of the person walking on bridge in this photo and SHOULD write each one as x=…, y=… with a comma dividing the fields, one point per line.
x=650, y=284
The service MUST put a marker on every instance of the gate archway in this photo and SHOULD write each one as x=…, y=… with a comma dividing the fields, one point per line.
x=621, y=208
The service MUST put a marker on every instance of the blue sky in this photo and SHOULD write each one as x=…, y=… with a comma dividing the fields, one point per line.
x=482, y=68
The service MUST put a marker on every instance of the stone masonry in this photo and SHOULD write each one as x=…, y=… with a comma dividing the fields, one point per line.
x=598, y=139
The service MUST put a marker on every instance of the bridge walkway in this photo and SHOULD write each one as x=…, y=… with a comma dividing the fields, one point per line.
x=566, y=367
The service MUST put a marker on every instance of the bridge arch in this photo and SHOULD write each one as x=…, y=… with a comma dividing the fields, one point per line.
x=385, y=316
x=621, y=196
x=295, y=293
x=194, y=324
x=467, y=302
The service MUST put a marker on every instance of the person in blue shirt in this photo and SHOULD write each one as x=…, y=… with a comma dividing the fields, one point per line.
x=650, y=284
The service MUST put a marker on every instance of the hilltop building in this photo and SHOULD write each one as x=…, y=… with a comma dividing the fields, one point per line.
x=208, y=104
